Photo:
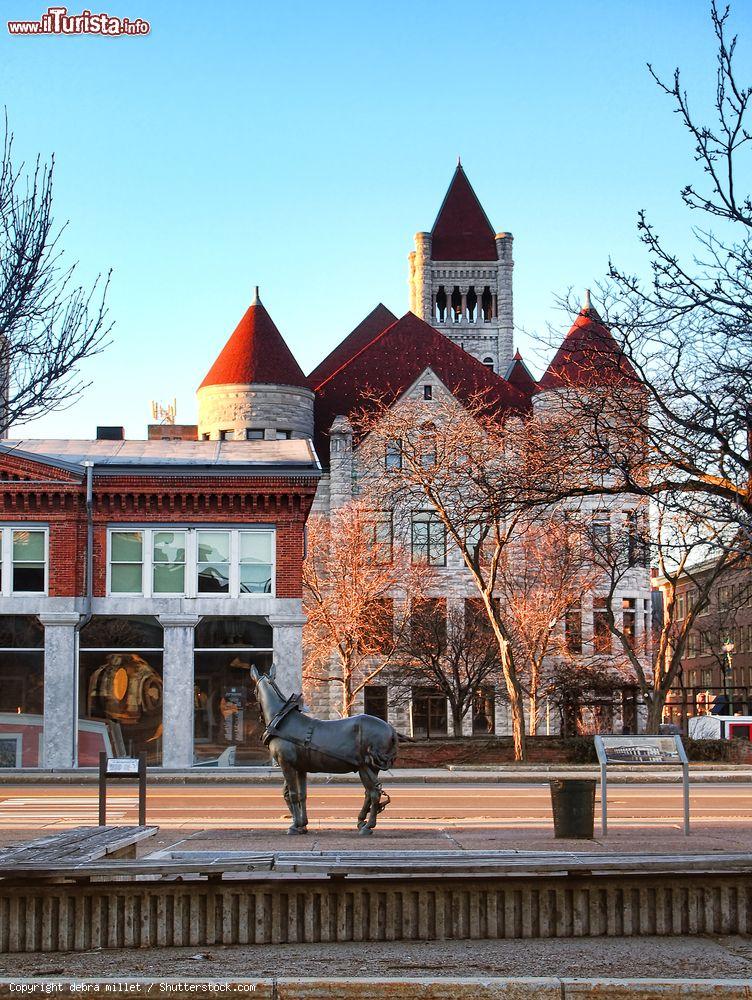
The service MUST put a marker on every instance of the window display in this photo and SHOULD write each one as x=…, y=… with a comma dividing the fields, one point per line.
x=21, y=690
x=227, y=722
x=120, y=682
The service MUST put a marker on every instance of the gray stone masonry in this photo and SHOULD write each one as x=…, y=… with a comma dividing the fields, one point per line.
x=177, y=704
x=60, y=688
x=493, y=339
x=271, y=408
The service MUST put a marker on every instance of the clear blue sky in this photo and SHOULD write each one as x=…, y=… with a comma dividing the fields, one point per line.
x=299, y=146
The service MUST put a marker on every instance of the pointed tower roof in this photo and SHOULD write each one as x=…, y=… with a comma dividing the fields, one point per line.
x=462, y=230
x=256, y=353
x=376, y=321
x=518, y=375
x=589, y=355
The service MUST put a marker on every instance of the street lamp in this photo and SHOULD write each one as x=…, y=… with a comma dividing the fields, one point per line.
x=728, y=648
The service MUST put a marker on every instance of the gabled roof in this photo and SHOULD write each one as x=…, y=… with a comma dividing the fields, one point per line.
x=462, y=230
x=518, y=375
x=390, y=364
x=256, y=353
x=376, y=321
x=588, y=357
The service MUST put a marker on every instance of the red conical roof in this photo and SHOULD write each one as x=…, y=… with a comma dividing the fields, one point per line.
x=462, y=230
x=255, y=353
x=588, y=357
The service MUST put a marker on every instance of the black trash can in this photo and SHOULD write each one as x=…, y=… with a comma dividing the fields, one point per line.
x=573, y=803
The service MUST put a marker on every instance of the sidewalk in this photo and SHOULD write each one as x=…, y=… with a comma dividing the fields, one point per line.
x=453, y=774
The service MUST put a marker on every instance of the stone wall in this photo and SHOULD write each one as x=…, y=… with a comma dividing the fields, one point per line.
x=271, y=408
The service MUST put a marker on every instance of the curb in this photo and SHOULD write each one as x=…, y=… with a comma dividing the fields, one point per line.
x=419, y=988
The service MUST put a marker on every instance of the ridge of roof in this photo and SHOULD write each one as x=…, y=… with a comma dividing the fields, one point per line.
x=370, y=326
x=255, y=353
x=462, y=230
x=394, y=359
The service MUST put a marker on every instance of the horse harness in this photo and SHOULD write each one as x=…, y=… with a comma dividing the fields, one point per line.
x=292, y=704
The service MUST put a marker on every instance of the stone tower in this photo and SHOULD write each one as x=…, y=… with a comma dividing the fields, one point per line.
x=461, y=277
x=255, y=389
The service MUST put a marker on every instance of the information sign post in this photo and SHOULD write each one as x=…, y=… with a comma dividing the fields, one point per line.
x=641, y=751
x=122, y=767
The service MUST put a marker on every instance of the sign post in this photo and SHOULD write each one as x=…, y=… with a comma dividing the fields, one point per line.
x=641, y=751
x=122, y=767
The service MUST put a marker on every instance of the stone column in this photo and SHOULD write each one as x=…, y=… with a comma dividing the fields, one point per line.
x=288, y=652
x=177, y=695
x=60, y=689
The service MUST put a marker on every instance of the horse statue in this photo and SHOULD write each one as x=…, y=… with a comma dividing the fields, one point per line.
x=301, y=744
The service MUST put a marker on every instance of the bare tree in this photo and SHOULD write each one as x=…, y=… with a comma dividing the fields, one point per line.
x=687, y=549
x=452, y=653
x=463, y=475
x=541, y=581
x=357, y=582
x=49, y=324
x=687, y=330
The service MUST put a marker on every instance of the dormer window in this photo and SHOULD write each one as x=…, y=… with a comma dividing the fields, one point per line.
x=489, y=363
x=427, y=392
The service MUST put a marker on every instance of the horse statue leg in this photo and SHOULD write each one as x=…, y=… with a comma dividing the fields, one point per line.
x=295, y=782
x=370, y=778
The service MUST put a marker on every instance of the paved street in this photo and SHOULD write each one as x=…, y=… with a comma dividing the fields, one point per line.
x=413, y=807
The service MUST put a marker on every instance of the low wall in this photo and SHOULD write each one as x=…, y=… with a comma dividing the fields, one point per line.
x=545, y=750
x=80, y=917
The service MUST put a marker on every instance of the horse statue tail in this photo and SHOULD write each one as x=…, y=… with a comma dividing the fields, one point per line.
x=383, y=758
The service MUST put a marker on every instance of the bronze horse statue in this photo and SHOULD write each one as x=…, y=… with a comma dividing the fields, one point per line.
x=303, y=745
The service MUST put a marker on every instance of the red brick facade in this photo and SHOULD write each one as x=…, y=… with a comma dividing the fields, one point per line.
x=34, y=492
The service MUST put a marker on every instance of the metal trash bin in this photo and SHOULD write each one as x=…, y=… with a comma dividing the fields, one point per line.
x=573, y=804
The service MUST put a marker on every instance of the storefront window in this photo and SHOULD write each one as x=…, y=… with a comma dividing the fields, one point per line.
x=227, y=721
x=21, y=690
x=120, y=686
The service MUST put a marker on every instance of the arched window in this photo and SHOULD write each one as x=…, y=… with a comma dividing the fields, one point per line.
x=472, y=305
x=456, y=305
x=489, y=363
x=441, y=305
x=486, y=305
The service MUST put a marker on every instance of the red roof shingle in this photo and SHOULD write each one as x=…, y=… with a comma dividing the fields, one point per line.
x=376, y=321
x=519, y=376
x=588, y=357
x=255, y=353
x=390, y=364
x=462, y=230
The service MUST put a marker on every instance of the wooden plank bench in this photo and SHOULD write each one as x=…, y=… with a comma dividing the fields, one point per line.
x=79, y=846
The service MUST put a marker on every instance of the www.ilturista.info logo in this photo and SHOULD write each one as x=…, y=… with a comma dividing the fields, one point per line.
x=57, y=21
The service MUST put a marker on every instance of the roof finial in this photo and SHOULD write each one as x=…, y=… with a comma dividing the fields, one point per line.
x=256, y=299
x=586, y=304
x=459, y=160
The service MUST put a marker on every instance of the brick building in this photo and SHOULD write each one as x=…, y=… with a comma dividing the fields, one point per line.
x=716, y=673
x=139, y=580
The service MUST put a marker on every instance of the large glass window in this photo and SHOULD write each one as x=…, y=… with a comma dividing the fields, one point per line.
x=428, y=539
x=227, y=722
x=190, y=562
x=21, y=691
x=126, y=562
x=23, y=560
x=429, y=713
x=120, y=686
x=168, y=562
x=213, y=562
x=378, y=532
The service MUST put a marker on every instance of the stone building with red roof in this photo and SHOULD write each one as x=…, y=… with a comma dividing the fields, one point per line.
x=457, y=338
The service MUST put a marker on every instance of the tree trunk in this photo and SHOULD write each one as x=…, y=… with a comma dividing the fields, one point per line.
x=534, y=712
x=655, y=711
x=456, y=722
x=516, y=700
x=347, y=692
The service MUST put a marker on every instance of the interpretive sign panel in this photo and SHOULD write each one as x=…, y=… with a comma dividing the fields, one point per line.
x=122, y=767
x=640, y=751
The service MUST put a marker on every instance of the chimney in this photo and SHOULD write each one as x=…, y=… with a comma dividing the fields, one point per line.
x=110, y=433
